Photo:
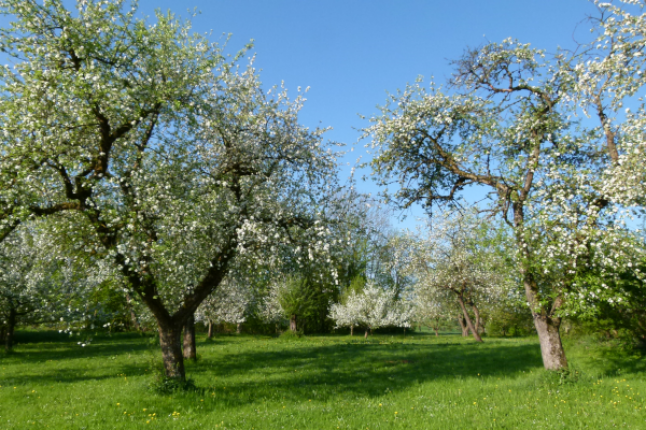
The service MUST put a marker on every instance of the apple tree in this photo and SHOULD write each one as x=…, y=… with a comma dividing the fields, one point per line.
x=171, y=157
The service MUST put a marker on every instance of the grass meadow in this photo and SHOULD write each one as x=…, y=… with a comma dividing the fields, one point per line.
x=320, y=382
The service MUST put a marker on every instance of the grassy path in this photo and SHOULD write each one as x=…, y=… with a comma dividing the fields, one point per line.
x=326, y=382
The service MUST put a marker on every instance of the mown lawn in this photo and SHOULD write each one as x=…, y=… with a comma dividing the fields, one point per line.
x=320, y=382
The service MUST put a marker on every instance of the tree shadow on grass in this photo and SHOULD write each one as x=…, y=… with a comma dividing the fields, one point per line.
x=292, y=370
x=614, y=360
x=34, y=347
x=72, y=375
x=303, y=371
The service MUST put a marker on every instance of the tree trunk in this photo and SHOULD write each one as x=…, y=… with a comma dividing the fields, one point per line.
x=547, y=325
x=365, y=336
x=467, y=318
x=189, y=339
x=171, y=346
x=3, y=333
x=550, y=340
x=239, y=328
x=11, y=326
x=292, y=323
x=351, y=330
x=476, y=312
x=463, y=325
x=210, y=334
x=436, y=332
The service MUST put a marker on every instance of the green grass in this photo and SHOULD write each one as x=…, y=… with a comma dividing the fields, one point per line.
x=326, y=382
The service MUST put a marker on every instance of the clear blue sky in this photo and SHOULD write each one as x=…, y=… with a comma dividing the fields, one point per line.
x=352, y=52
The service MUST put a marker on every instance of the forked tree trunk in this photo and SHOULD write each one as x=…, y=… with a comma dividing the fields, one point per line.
x=292, y=323
x=11, y=326
x=189, y=339
x=467, y=318
x=170, y=340
x=547, y=325
x=210, y=334
x=436, y=331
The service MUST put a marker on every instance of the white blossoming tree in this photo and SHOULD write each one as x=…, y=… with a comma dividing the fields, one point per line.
x=228, y=304
x=507, y=124
x=373, y=307
x=431, y=308
x=348, y=314
x=270, y=310
x=174, y=160
x=459, y=257
x=24, y=284
x=36, y=288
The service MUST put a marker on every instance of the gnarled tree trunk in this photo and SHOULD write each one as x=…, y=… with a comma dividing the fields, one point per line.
x=550, y=340
x=190, y=350
x=547, y=326
x=171, y=346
